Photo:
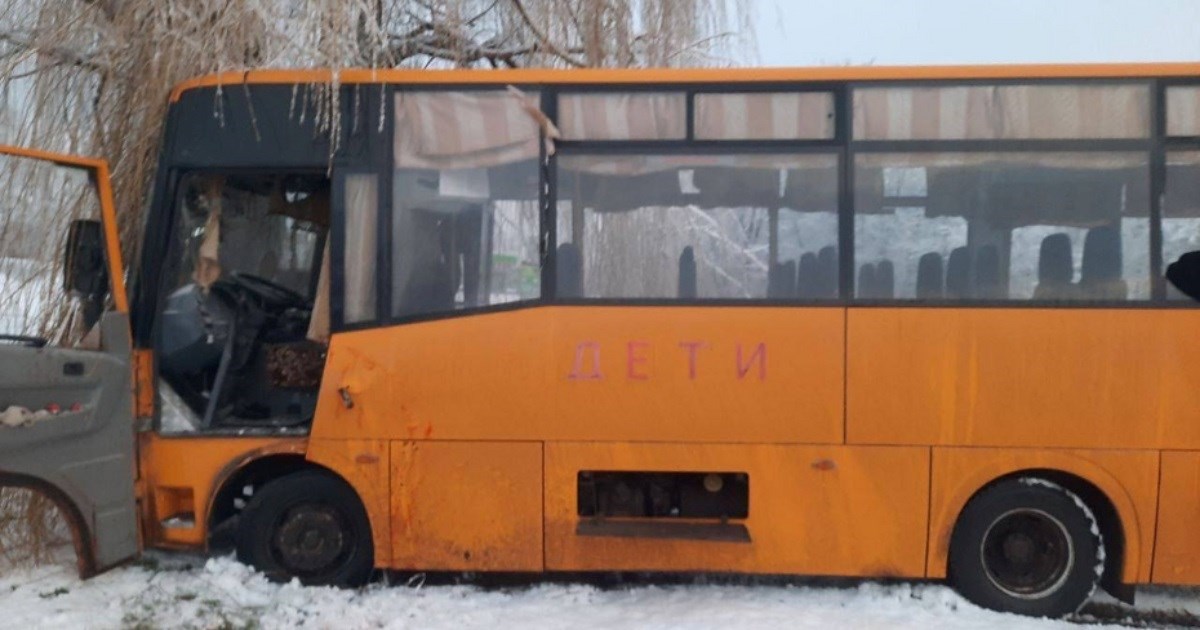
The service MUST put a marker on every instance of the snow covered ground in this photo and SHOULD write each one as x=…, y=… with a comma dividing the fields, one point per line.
x=168, y=590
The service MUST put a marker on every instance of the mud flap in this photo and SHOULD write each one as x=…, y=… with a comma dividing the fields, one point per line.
x=81, y=454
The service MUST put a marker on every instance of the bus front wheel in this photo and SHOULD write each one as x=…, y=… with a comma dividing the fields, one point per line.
x=1026, y=546
x=308, y=525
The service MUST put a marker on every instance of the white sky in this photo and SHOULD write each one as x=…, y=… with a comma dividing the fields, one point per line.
x=900, y=32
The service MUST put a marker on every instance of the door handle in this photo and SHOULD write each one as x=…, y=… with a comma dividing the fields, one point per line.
x=72, y=368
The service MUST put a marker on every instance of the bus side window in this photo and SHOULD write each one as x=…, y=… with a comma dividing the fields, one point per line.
x=1007, y=226
x=1181, y=220
x=361, y=202
x=757, y=226
x=465, y=216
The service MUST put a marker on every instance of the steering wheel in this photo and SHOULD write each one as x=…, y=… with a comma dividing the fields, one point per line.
x=270, y=292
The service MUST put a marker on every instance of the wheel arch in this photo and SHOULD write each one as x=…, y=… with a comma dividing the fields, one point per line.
x=263, y=466
x=1115, y=510
x=81, y=534
x=1112, y=530
x=252, y=471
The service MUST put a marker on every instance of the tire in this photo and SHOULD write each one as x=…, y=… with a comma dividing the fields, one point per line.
x=1026, y=546
x=308, y=525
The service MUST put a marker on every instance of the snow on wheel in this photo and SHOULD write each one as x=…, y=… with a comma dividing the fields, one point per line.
x=307, y=525
x=1027, y=546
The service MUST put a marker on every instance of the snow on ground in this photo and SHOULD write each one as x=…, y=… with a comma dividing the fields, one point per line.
x=183, y=591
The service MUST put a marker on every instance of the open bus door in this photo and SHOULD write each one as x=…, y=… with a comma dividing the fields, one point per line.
x=65, y=397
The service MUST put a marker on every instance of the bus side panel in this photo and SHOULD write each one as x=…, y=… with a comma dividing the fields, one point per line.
x=183, y=473
x=638, y=373
x=823, y=510
x=1128, y=478
x=1177, y=552
x=479, y=377
x=706, y=374
x=1077, y=378
x=363, y=464
x=467, y=506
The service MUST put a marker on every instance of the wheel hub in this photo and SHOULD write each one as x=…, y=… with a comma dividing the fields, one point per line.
x=1018, y=548
x=1027, y=553
x=309, y=539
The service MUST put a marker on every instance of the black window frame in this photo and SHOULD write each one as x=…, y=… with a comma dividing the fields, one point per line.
x=381, y=161
x=842, y=144
x=337, y=250
x=691, y=146
x=1149, y=145
x=738, y=147
x=1164, y=145
x=366, y=151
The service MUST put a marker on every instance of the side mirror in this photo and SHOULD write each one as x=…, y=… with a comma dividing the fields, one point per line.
x=84, y=271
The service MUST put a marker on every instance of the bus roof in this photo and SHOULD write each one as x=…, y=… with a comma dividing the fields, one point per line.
x=693, y=75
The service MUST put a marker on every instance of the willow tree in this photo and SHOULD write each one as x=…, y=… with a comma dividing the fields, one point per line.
x=93, y=76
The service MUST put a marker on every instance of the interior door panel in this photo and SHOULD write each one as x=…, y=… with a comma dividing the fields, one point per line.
x=85, y=451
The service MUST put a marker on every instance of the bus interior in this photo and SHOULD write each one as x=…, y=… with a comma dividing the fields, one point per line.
x=242, y=343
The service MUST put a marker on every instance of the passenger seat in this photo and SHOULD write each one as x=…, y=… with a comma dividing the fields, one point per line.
x=569, y=272
x=827, y=272
x=807, y=276
x=868, y=285
x=1055, y=269
x=687, y=274
x=987, y=274
x=930, y=277
x=885, y=280
x=1100, y=277
x=781, y=280
x=958, y=274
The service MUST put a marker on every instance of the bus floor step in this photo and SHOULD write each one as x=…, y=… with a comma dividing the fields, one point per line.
x=711, y=532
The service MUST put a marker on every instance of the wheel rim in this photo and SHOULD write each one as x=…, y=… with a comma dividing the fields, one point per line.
x=1027, y=553
x=310, y=540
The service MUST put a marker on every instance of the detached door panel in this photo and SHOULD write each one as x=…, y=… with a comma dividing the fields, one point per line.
x=67, y=427
x=86, y=450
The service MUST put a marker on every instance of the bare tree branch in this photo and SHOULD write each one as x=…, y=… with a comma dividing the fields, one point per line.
x=545, y=42
x=60, y=53
x=93, y=76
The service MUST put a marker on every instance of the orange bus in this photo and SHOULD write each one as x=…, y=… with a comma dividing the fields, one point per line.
x=876, y=322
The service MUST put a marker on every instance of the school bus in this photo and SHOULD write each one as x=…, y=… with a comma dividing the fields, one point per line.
x=877, y=322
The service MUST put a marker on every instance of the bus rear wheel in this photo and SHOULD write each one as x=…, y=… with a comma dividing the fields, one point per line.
x=1026, y=546
x=307, y=525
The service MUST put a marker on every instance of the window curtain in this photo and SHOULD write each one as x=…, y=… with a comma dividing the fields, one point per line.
x=1002, y=112
x=764, y=116
x=623, y=116
x=456, y=130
